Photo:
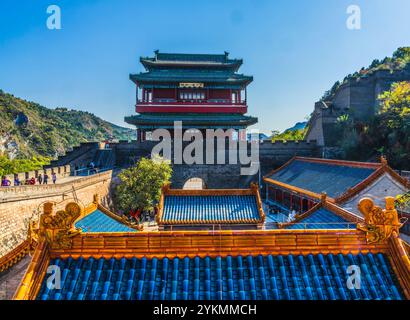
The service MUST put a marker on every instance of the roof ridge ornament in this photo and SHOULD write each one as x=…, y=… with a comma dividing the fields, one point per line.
x=323, y=197
x=58, y=229
x=379, y=224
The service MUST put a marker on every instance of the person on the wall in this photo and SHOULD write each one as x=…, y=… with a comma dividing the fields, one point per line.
x=292, y=216
x=92, y=167
x=45, y=178
x=5, y=182
x=54, y=177
x=17, y=181
x=40, y=179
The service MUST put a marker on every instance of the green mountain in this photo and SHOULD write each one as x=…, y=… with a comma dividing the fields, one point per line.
x=28, y=129
x=398, y=61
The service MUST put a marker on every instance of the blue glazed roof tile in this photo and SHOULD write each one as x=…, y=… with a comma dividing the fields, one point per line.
x=322, y=219
x=321, y=177
x=210, y=209
x=97, y=221
x=282, y=277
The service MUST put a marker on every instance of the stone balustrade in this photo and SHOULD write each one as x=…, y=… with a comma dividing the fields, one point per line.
x=26, y=192
x=20, y=204
x=60, y=171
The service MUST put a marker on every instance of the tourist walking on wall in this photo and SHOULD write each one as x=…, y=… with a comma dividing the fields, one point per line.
x=40, y=179
x=54, y=177
x=45, y=178
x=16, y=181
x=5, y=182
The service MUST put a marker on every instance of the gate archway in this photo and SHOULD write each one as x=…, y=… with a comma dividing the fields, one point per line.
x=195, y=183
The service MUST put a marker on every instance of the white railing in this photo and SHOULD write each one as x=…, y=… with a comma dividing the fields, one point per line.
x=84, y=172
x=265, y=226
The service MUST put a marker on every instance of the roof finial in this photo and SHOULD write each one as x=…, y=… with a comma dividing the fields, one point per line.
x=383, y=160
x=254, y=186
x=323, y=197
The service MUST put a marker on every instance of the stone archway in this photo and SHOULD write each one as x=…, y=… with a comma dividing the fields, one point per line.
x=195, y=183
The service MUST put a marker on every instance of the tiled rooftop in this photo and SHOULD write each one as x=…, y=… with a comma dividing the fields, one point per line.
x=210, y=209
x=321, y=177
x=291, y=277
x=192, y=75
x=97, y=221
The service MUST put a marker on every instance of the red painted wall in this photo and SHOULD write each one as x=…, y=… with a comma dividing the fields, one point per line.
x=219, y=94
x=192, y=109
x=164, y=93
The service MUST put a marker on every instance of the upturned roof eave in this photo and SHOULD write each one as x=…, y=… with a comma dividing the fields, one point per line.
x=137, y=120
x=308, y=193
x=145, y=78
x=149, y=63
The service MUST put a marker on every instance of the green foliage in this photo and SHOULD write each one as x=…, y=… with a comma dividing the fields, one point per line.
x=140, y=186
x=51, y=132
x=403, y=201
x=289, y=135
x=395, y=106
x=328, y=94
x=399, y=60
x=8, y=166
x=343, y=119
x=388, y=132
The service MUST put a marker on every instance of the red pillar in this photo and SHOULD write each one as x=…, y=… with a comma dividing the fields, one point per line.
x=291, y=200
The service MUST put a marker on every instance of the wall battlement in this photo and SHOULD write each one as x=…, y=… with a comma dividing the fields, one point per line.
x=225, y=175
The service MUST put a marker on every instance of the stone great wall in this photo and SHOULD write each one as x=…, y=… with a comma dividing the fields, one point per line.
x=19, y=204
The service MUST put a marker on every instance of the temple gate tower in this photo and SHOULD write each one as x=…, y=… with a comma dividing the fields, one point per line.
x=204, y=91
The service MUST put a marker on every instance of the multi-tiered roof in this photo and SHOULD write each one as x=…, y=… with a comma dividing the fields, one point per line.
x=201, y=90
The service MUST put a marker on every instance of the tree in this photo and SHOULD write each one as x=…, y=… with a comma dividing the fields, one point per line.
x=140, y=185
x=395, y=105
x=8, y=166
x=289, y=135
x=393, y=125
x=403, y=201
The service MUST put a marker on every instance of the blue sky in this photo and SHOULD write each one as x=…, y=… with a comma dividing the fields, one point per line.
x=295, y=49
